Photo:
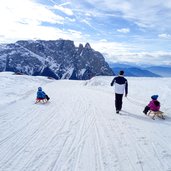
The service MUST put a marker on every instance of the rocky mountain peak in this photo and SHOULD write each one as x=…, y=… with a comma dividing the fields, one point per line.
x=87, y=46
x=59, y=59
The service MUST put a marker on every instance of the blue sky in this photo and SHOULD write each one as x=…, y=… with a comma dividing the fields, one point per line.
x=123, y=30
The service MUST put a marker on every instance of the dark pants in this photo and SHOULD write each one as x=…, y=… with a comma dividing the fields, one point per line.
x=47, y=97
x=146, y=109
x=118, y=101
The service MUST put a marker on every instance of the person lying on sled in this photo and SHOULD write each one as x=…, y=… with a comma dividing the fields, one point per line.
x=154, y=105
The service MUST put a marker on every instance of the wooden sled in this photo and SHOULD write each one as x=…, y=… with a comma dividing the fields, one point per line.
x=156, y=113
x=41, y=100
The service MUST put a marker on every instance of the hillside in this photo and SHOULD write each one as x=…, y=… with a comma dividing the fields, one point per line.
x=78, y=128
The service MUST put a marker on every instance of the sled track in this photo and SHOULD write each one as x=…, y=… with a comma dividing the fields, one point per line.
x=74, y=148
x=78, y=130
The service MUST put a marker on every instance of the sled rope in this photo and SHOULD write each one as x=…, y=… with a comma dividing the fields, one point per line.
x=135, y=102
x=131, y=100
x=166, y=109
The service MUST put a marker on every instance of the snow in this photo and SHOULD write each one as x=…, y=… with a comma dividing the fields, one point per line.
x=68, y=73
x=78, y=128
x=27, y=52
x=82, y=71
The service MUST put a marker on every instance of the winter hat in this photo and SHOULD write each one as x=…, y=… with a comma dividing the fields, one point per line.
x=40, y=88
x=154, y=97
x=121, y=73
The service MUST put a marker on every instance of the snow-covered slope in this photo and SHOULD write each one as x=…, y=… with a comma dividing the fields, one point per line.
x=78, y=128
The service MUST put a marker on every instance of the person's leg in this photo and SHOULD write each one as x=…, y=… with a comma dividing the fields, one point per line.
x=120, y=96
x=146, y=109
x=47, y=97
x=118, y=102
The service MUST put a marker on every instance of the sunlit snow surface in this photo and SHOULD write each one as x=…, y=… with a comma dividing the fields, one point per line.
x=78, y=129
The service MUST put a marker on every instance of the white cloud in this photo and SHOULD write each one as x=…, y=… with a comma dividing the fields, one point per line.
x=103, y=40
x=88, y=23
x=66, y=3
x=123, y=30
x=67, y=11
x=164, y=36
x=147, y=14
x=22, y=19
x=26, y=32
x=26, y=11
x=122, y=52
x=76, y=34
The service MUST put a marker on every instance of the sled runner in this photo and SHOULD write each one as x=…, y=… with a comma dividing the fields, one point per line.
x=41, y=100
x=156, y=113
x=41, y=96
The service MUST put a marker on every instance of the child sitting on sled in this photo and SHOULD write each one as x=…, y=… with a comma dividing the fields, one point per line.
x=154, y=105
x=41, y=95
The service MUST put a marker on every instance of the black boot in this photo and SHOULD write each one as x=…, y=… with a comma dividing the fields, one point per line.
x=117, y=111
x=146, y=110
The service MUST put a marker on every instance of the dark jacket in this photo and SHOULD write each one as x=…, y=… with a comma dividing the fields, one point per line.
x=41, y=94
x=121, y=85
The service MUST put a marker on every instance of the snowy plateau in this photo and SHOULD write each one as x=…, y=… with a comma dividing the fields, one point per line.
x=78, y=129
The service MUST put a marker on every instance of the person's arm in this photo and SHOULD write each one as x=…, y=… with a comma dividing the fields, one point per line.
x=126, y=88
x=150, y=104
x=158, y=107
x=112, y=83
x=43, y=94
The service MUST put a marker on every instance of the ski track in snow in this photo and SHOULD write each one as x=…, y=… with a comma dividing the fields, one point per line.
x=78, y=130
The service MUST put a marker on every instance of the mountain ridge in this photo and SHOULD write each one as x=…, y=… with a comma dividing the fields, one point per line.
x=141, y=70
x=59, y=59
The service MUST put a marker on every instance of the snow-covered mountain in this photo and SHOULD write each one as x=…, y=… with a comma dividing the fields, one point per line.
x=164, y=71
x=78, y=128
x=59, y=59
x=132, y=70
x=135, y=70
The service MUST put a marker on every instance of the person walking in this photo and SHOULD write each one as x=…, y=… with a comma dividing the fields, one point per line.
x=121, y=87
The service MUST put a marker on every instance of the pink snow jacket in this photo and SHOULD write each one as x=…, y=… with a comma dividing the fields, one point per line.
x=152, y=106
